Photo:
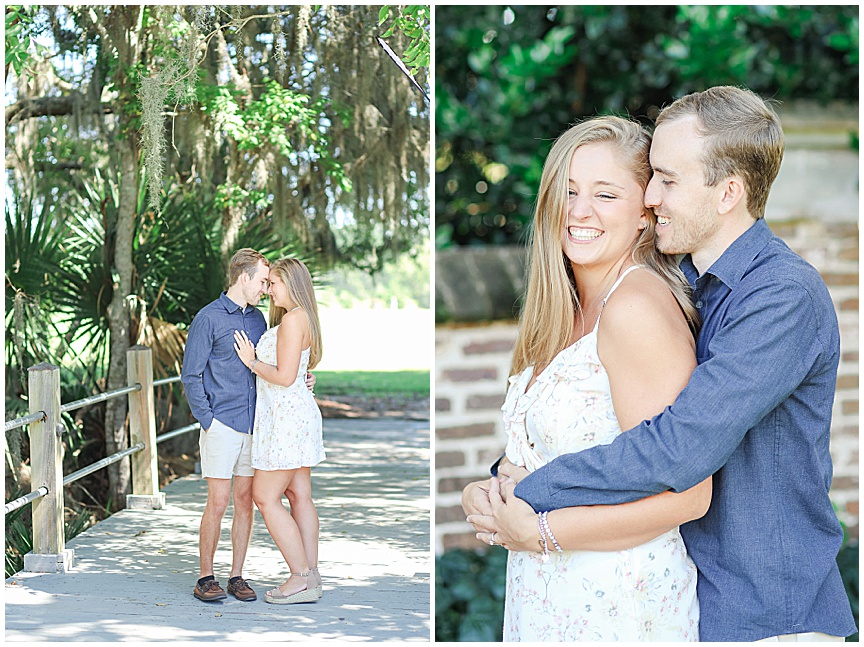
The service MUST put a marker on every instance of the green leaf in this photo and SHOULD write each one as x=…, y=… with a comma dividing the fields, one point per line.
x=383, y=14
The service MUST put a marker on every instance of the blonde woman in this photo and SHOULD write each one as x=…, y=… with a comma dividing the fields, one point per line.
x=606, y=340
x=287, y=439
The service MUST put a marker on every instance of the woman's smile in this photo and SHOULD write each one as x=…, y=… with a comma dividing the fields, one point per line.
x=583, y=234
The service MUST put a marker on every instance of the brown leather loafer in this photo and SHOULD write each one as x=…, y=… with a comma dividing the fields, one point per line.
x=209, y=591
x=241, y=590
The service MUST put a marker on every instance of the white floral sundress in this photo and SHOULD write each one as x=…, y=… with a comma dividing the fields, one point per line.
x=647, y=593
x=288, y=429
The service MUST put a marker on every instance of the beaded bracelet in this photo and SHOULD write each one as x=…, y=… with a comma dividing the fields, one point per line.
x=252, y=368
x=542, y=541
x=548, y=531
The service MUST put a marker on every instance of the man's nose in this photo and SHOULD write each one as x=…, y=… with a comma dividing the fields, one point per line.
x=652, y=194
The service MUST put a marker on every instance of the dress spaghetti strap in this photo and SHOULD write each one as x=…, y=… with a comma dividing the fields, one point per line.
x=612, y=289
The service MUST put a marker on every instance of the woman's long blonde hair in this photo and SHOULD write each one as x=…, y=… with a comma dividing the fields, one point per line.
x=296, y=277
x=546, y=319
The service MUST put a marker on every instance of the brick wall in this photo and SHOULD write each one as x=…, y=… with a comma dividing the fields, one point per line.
x=472, y=364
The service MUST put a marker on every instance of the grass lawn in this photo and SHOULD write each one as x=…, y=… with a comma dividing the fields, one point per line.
x=373, y=383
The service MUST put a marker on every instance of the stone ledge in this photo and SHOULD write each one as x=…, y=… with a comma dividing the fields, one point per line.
x=478, y=283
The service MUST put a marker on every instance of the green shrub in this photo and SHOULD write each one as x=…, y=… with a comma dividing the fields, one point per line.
x=847, y=560
x=19, y=532
x=469, y=595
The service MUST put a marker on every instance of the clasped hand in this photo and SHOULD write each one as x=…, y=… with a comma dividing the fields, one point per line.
x=499, y=516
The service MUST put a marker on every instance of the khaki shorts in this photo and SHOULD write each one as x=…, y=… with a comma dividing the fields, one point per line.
x=225, y=452
x=812, y=636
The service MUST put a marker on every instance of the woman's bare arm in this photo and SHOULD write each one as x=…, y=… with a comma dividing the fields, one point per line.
x=648, y=353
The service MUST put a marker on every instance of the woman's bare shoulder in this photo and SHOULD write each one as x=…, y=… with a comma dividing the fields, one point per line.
x=643, y=298
x=294, y=321
x=642, y=315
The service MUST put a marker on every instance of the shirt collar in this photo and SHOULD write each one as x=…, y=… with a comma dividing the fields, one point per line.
x=229, y=305
x=733, y=263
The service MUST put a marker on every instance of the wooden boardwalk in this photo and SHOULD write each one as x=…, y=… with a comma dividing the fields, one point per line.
x=134, y=572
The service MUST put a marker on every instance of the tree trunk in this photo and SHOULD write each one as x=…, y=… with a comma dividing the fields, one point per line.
x=232, y=218
x=119, y=321
x=124, y=26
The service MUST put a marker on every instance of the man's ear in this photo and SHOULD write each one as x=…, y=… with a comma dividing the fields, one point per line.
x=733, y=194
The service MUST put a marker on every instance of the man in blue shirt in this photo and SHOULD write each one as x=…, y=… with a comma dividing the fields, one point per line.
x=757, y=410
x=221, y=394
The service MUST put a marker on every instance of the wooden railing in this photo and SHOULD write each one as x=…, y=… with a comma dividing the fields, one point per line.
x=50, y=554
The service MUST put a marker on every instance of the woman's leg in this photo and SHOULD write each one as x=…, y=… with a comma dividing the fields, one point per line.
x=299, y=493
x=267, y=489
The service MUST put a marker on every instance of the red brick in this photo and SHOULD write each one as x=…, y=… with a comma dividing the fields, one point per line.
x=840, y=230
x=834, y=278
x=497, y=346
x=847, y=382
x=449, y=459
x=784, y=230
x=852, y=507
x=447, y=515
x=465, y=431
x=484, y=402
x=850, y=356
x=845, y=483
x=470, y=374
x=850, y=406
x=454, y=484
x=849, y=304
x=442, y=404
x=849, y=254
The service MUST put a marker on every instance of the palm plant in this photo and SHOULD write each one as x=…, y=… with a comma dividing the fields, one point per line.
x=34, y=253
x=19, y=533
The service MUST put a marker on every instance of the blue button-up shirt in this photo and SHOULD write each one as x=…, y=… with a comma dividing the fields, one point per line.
x=218, y=384
x=756, y=414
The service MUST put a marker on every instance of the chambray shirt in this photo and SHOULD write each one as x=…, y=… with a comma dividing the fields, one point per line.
x=218, y=384
x=756, y=414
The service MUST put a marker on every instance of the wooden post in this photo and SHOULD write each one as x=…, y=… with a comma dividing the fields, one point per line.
x=46, y=457
x=142, y=429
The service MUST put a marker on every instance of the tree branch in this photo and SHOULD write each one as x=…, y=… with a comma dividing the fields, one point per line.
x=50, y=106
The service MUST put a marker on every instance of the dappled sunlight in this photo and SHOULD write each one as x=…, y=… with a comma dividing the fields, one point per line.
x=134, y=572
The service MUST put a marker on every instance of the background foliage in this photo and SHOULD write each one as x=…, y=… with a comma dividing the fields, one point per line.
x=510, y=79
x=145, y=144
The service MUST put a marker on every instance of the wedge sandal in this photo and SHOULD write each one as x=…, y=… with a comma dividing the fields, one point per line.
x=319, y=587
x=276, y=596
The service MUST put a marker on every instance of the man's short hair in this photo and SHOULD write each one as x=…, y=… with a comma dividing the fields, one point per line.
x=244, y=261
x=743, y=137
